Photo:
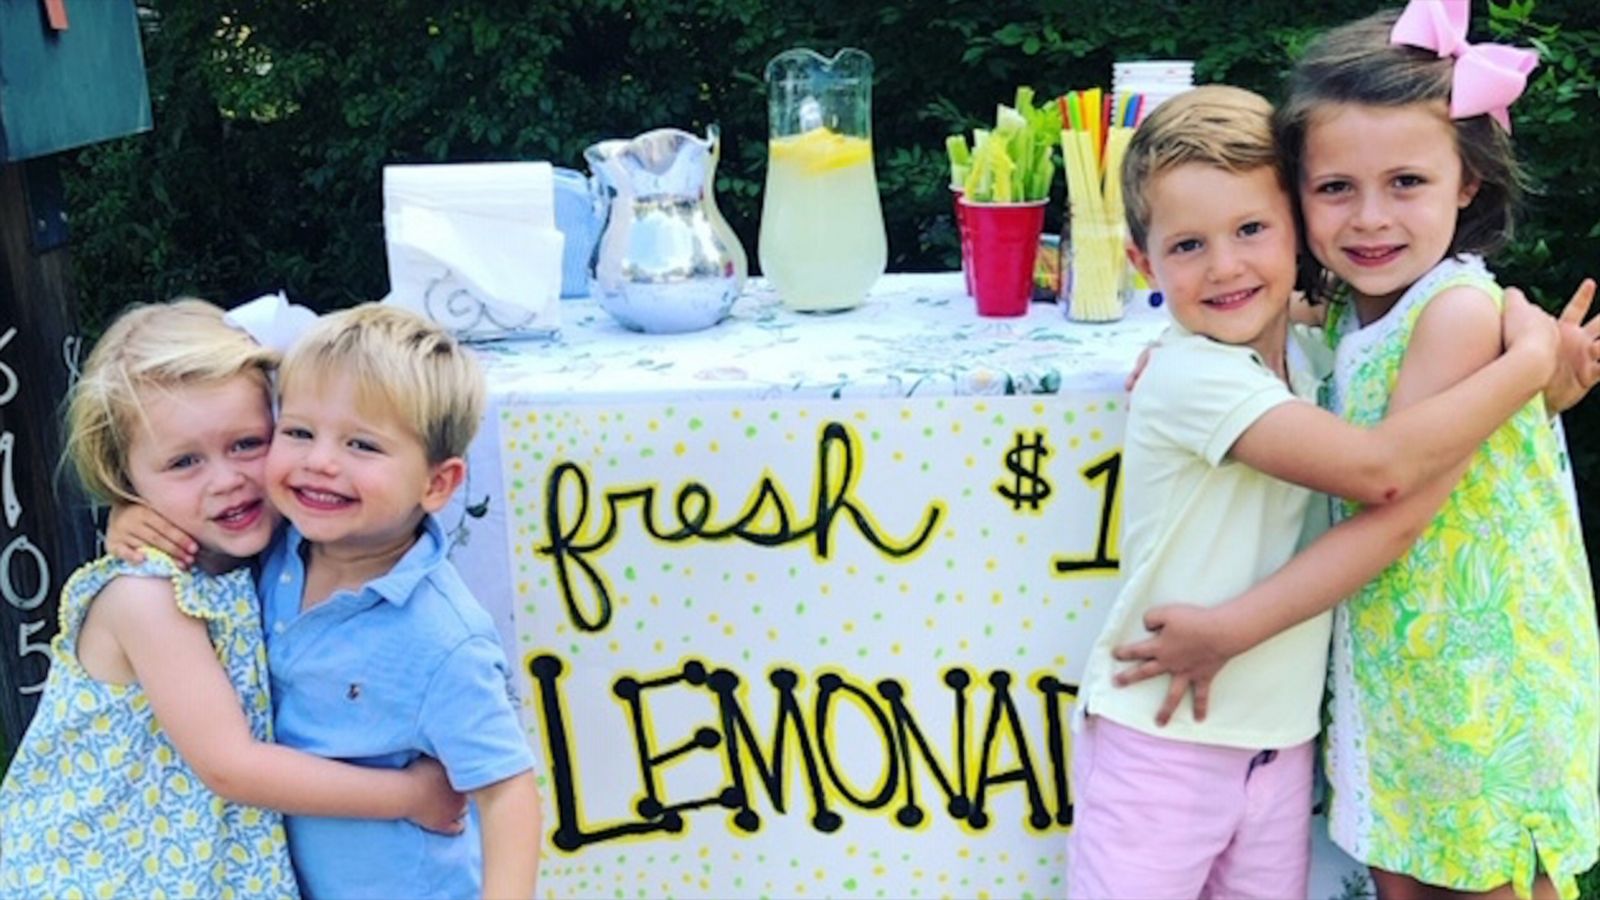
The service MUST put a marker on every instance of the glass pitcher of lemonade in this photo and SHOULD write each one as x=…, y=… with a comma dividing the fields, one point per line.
x=822, y=243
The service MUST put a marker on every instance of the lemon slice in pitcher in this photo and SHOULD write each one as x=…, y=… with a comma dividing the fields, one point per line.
x=821, y=150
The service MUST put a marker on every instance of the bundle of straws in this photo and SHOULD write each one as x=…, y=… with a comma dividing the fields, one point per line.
x=1096, y=129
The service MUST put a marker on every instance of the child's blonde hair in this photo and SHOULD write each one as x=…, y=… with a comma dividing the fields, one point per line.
x=1214, y=125
x=402, y=364
x=158, y=346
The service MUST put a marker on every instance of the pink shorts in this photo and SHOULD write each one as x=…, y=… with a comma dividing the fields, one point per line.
x=1157, y=818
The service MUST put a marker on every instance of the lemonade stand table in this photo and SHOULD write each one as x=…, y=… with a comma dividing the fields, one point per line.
x=796, y=606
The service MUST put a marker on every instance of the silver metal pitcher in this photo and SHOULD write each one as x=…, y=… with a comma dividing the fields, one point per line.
x=666, y=261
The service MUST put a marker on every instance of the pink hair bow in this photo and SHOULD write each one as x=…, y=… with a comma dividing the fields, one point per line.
x=1487, y=76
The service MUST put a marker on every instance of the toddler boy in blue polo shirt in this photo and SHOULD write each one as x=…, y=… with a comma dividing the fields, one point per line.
x=378, y=652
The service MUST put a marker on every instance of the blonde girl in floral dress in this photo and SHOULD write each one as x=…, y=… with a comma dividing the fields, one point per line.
x=147, y=768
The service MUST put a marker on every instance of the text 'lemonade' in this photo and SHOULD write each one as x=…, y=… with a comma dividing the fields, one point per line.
x=822, y=242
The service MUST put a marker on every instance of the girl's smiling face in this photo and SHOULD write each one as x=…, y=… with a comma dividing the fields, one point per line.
x=198, y=457
x=1381, y=188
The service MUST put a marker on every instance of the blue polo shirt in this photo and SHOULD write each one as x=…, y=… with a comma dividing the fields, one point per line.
x=408, y=665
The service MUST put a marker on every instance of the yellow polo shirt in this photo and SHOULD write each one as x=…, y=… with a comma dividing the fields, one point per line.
x=1201, y=528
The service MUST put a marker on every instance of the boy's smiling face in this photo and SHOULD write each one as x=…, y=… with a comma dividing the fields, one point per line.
x=1221, y=247
x=351, y=477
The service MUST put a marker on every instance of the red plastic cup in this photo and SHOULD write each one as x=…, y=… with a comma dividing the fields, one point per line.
x=1005, y=242
x=965, y=231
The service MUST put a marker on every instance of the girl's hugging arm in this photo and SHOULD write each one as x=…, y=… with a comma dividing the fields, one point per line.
x=1303, y=444
x=1450, y=380
x=170, y=655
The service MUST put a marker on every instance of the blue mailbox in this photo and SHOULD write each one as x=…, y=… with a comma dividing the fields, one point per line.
x=71, y=74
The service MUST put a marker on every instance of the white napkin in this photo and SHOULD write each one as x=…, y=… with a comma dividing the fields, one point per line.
x=474, y=246
x=271, y=320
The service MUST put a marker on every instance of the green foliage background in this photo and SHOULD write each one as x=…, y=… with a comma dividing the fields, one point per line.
x=274, y=118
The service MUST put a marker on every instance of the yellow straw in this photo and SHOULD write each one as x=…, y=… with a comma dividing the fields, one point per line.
x=1094, y=193
x=1092, y=111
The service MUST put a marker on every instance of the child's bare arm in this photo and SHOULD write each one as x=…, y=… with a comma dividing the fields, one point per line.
x=172, y=658
x=510, y=816
x=1300, y=443
x=131, y=527
x=1451, y=340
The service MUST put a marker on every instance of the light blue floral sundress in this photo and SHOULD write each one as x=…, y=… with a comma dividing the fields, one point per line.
x=98, y=803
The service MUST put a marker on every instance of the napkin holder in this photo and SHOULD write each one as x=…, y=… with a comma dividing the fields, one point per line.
x=474, y=247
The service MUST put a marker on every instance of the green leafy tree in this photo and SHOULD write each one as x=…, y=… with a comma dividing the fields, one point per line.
x=273, y=119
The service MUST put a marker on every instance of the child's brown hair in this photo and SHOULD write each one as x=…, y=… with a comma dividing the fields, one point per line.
x=1356, y=63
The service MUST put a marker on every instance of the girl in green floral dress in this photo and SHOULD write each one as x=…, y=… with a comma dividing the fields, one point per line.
x=1464, y=741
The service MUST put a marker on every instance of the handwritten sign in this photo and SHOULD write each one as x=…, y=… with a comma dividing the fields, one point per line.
x=797, y=649
x=24, y=570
